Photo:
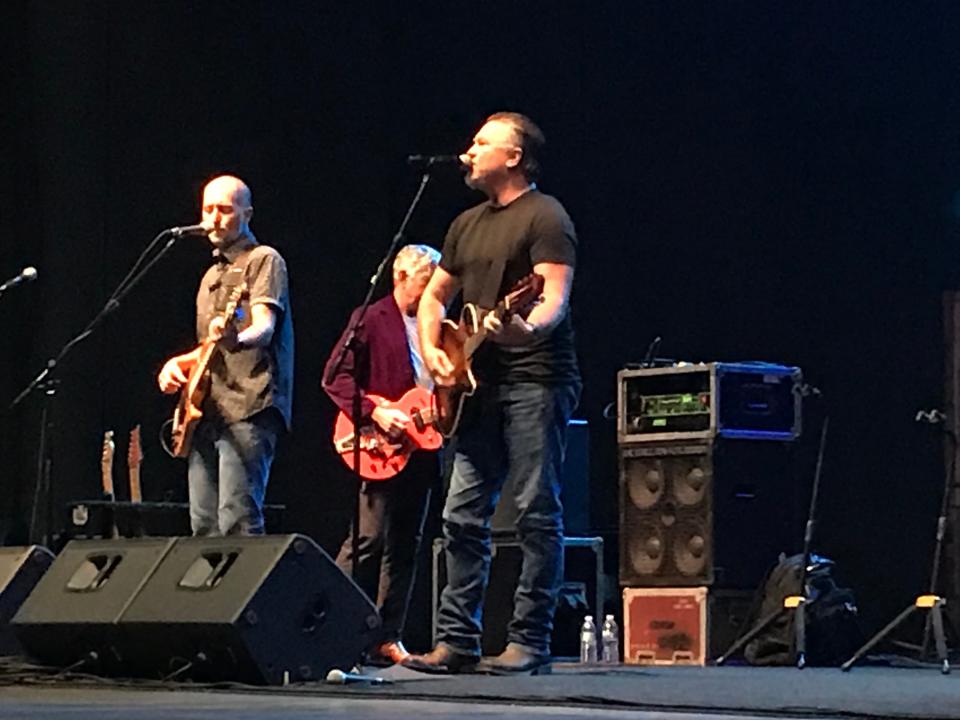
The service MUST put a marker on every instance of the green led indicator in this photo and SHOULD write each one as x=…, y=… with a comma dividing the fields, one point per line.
x=659, y=422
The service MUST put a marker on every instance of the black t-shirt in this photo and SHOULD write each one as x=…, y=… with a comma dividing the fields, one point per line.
x=532, y=229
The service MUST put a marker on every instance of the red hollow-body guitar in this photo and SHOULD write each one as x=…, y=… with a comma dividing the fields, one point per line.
x=460, y=341
x=383, y=456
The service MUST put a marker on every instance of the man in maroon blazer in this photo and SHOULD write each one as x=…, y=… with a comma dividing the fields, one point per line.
x=387, y=362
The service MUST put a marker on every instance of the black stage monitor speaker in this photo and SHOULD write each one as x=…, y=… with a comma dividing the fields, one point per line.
x=72, y=616
x=252, y=609
x=708, y=513
x=20, y=570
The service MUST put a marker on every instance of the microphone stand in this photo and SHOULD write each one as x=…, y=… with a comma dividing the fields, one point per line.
x=47, y=383
x=932, y=602
x=350, y=345
x=795, y=604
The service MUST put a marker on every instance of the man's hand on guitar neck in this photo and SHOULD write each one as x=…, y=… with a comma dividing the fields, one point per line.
x=516, y=332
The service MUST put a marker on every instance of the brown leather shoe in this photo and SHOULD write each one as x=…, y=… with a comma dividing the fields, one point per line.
x=388, y=653
x=516, y=660
x=442, y=660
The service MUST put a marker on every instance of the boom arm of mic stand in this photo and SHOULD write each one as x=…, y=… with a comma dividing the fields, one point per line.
x=45, y=378
x=348, y=345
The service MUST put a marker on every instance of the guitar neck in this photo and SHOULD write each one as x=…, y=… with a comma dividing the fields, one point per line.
x=135, y=493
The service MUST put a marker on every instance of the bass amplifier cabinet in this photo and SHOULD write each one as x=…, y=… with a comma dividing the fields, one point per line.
x=751, y=401
x=581, y=592
x=715, y=513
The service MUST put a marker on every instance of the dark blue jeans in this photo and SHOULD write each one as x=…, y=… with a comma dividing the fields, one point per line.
x=516, y=431
x=227, y=474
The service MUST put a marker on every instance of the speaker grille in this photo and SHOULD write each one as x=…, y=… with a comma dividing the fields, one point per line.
x=665, y=518
x=709, y=513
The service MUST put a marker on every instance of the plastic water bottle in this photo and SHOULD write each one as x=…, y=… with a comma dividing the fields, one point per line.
x=610, y=636
x=588, y=640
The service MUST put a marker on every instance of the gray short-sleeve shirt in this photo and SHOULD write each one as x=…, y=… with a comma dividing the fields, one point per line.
x=245, y=381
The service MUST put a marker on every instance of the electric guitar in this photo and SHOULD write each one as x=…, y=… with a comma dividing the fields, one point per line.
x=461, y=340
x=189, y=409
x=134, y=460
x=106, y=464
x=383, y=456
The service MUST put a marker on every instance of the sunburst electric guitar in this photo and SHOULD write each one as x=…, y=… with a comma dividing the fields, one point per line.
x=381, y=455
x=460, y=340
x=189, y=409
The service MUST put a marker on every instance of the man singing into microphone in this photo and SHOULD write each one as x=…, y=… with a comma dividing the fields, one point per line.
x=528, y=385
x=251, y=372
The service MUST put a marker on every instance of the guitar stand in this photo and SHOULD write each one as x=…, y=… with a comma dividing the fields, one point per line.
x=931, y=601
x=793, y=603
x=797, y=604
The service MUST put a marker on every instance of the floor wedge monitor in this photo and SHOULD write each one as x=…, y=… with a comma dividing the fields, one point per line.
x=258, y=610
x=20, y=570
x=72, y=617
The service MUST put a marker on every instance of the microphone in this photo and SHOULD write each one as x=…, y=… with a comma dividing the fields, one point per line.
x=28, y=274
x=807, y=390
x=339, y=677
x=201, y=229
x=434, y=160
x=651, y=352
x=930, y=417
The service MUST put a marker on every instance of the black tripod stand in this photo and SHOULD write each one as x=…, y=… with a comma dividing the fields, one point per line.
x=796, y=604
x=931, y=601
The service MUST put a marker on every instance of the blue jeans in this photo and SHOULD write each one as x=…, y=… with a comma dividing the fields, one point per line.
x=227, y=474
x=516, y=431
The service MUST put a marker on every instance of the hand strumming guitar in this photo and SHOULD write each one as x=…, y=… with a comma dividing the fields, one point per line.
x=174, y=373
x=439, y=365
x=393, y=422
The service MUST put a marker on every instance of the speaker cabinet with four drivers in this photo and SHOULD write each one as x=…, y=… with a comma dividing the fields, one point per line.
x=716, y=512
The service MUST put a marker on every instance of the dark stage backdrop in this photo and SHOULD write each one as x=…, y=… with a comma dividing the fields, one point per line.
x=771, y=181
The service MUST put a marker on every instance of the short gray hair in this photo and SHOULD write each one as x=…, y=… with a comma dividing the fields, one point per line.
x=413, y=258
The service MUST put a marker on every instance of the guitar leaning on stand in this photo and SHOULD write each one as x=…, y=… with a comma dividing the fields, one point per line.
x=461, y=340
x=134, y=460
x=189, y=409
x=381, y=455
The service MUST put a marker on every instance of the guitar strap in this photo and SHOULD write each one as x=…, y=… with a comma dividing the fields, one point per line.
x=232, y=276
x=490, y=295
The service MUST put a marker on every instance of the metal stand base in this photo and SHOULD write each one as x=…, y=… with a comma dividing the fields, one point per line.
x=933, y=603
x=793, y=603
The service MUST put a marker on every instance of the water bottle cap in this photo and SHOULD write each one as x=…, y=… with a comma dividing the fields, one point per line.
x=588, y=617
x=608, y=617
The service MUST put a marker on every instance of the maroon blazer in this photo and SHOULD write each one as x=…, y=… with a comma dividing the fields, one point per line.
x=382, y=359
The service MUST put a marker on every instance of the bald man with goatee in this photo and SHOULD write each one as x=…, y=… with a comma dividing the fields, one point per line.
x=248, y=404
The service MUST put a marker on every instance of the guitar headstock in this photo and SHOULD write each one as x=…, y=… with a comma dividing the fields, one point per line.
x=134, y=449
x=233, y=302
x=106, y=455
x=525, y=292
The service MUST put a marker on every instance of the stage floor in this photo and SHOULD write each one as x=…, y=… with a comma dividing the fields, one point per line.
x=570, y=692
